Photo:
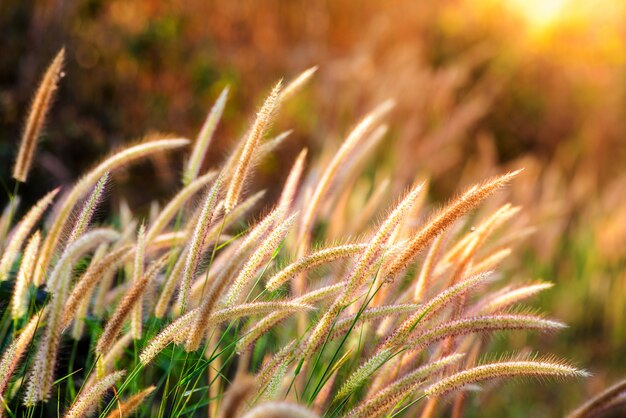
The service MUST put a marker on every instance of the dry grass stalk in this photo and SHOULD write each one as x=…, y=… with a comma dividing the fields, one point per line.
x=37, y=116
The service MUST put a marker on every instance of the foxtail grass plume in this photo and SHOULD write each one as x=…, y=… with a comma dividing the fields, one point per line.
x=126, y=305
x=37, y=116
x=260, y=126
x=204, y=138
x=534, y=368
x=197, y=241
x=290, y=188
x=19, y=302
x=136, y=319
x=279, y=410
x=91, y=396
x=265, y=251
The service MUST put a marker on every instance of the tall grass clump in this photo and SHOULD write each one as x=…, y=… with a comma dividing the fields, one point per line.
x=228, y=302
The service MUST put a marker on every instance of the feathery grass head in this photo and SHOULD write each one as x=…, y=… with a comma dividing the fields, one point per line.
x=531, y=368
x=260, y=126
x=37, y=116
x=279, y=410
x=91, y=396
x=204, y=138
x=24, y=277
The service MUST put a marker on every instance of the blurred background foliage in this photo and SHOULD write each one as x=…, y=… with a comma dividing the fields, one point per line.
x=481, y=86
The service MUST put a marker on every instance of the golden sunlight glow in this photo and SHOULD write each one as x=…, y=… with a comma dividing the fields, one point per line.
x=540, y=13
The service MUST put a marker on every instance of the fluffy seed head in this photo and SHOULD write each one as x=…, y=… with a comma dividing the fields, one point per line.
x=37, y=116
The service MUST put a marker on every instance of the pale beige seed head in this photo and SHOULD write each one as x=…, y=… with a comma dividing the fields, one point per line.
x=204, y=138
x=37, y=116
x=257, y=258
x=86, y=213
x=536, y=368
x=290, y=189
x=196, y=245
x=377, y=243
x=384, y=400
x=136, y=319
x=422, y=284
x=177, y=330
x=356, y=136
x=128, y=302
x=280, y=410
x=89, y=398
x=432, y=307
x=317, y=258
x=85, y=284
x=480, y=324
x=19, y=302
x=504, y=300
x=256, y=329
x=74, y=251
x=258, y=130
x=296, y=84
